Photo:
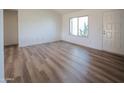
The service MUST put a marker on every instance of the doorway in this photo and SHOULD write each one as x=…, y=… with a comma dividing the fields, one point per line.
x=10, y=27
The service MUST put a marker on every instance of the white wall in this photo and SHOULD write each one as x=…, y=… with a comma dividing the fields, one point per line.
x=38, y=26
x=10, y=27
x=94, y=39
x=122, y=33
x=1, y=48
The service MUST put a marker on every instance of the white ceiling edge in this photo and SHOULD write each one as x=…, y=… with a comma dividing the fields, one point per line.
x=66, y=11
x=59, y=11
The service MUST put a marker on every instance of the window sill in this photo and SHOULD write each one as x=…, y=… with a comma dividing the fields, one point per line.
x=86, y=37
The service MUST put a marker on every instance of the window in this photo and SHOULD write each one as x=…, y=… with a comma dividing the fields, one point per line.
x=79, y=26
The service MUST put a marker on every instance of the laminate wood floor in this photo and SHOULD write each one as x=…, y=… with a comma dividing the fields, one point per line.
x=61, y=62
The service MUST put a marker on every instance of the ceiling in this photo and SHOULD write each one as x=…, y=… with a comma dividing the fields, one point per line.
x=60, y=11
x=65, y=11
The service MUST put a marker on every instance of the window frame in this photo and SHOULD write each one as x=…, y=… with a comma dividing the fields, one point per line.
x=78, y=26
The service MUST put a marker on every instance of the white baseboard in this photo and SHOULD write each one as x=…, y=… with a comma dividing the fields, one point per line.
x=2, y=81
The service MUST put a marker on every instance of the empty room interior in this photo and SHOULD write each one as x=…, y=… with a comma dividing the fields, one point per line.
x=62, y=45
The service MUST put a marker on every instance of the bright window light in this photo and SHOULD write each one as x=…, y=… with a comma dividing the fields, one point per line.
x=79, y=26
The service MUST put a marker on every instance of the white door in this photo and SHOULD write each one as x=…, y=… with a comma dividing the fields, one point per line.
x=111, y=32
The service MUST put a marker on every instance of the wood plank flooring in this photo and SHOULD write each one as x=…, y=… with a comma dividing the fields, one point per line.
x=61, y=62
